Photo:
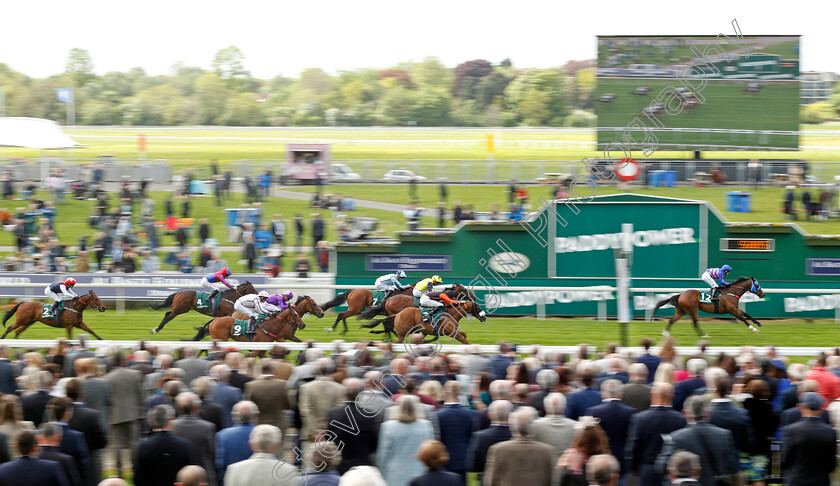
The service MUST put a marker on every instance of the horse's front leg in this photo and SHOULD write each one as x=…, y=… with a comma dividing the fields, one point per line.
x=85, y=328
x=752, y=319
x=740, y=315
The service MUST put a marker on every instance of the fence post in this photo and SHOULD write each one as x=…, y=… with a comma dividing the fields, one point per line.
x=602, y=310
x=120, y=301
x=649, y=308
x=540, y=307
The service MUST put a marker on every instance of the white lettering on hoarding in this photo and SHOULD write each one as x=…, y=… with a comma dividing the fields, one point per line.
x=526, y=299
x=645, y=238
x=812, y=303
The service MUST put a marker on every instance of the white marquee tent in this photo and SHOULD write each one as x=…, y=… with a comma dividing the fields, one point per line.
x=35, y=133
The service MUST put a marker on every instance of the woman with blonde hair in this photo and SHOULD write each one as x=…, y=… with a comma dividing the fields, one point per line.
x=11, y=423
x=33, y=363
x=400, y=439
x=434, y=389
x=434, y=455
x=664, y=373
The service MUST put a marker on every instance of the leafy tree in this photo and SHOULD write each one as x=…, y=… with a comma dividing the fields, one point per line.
x=396, y=107
x=835, y=98
x=534, y=87
x=431, y=108
x=468, y=75
x=211, y=95
x=431, y=73
x=228, y=64
x=316, y=80
x=79, y=66
x=391, y=78
x=491, y=89
x=584, y=86
x=243, y=110
x=185, y=76
x=818, y=112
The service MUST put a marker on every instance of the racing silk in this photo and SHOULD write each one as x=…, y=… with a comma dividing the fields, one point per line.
x=444, y=296
x=717, y=273
x=425, y=285
x=218, y=277
x=390, y=279
x=278, y=301
x=252, y=301
x=61, y=289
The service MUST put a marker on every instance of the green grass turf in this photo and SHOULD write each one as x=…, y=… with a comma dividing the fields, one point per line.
x=765, y=202
x=191, y=147
x=135, y=324
x=726, y=106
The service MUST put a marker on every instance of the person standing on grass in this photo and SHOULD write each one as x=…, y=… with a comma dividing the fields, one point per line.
x=278, y=227
x=317, y=229
x=302, y=267
x=299, y=229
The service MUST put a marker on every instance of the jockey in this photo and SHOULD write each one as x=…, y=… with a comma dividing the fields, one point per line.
x=435, y=300
x=280, y=302
x=390, y=282
x=246, y=303
x=60, y=291
x=711, y=274
x=209, y=281
x=426, y=285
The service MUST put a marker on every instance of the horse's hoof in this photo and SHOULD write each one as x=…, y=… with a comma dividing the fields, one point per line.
x=666, y=333
x=705, y=336
x=327, y=329
x=153, y=331
x=753, y=329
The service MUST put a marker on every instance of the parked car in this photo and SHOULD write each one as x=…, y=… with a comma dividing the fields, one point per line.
x=606, y=97
x=402, y=175
x=342, y=172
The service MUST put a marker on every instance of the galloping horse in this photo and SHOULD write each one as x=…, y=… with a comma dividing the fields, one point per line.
x=357, y=301
x=278, y=327
x=410, y=320
x=304, y=305
x=688, y=302
x=397, y=303
x=185, y=301
x=71, y=317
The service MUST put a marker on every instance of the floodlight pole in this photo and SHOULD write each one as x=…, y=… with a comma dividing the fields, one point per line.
x=623, y=259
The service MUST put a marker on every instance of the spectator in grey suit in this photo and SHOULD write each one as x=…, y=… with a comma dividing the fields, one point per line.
x=474, y=361
x=684, y=468
x=192, y=366
x=126, y=407
x=555, y=429
x=79, y=353
x=718, y=456
x=201, y=433
x=97, y=391
x=637, y=390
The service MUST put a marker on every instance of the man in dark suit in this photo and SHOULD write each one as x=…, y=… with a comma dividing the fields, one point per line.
x=499, y=431
x=684, y=469
x=317, y=229
x=4, y=449
x=72, y=441
x=793, y=415
x=48, y=442
x=238, y=380
x=649, y=360
x=714, y=446
x=499, y=390
x=436, y=371
x=355, y=425
x=457, y=424
x=589, y=396
x=34, y=405
x=224, y=394
x=201, y=433
x=143, y=362
x=8, y=385
x=29, y=470
x=616, y=372
x=520, y=460
x=637, y=390
x=614, y=418
x=644, y=437
x=211, y=412
x=88, y=422
x=734, y=419
x=809, y=446
x=547, y=380
x=686, y=388
x=396, y=380
x=81, y=352
x=270, y=395
x=158, y=459
x=232, y=442
x=499, y=362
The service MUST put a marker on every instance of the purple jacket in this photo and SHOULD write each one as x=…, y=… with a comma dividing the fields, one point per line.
x=278, y=300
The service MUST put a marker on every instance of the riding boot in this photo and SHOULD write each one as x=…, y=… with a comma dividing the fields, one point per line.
x=252, y=326
x=715, y=292
x=213, y=294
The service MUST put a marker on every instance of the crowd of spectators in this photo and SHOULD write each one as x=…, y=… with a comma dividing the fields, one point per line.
x=370, y=415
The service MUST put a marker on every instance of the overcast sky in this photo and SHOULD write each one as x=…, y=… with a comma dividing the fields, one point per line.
x=285, y=37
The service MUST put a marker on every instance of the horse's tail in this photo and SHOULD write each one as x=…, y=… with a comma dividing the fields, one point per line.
x=673, y=300
x=388, y=323
x=203, y=331
x=338, y=300
x=10, y=313
x=370, y=313
x=165, y=303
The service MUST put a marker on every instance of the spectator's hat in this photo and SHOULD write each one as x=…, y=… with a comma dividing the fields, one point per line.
x=779, y=364
x=812, y=400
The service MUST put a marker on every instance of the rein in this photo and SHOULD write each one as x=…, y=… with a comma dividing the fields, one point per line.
x=87, y=304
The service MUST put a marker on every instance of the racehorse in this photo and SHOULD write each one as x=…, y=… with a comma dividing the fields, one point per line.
x=71, y=317
x=304, y=305
x=357, y=301
x=410, y=320
x=397, y=303
x=185, y=301
x=688, y=302
x=277, y=327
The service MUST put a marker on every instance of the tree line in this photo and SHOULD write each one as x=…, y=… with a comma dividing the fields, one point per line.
x=427, y=93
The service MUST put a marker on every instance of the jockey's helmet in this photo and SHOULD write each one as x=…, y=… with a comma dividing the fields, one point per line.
x=400, y=274
x=263, y=295
x=726, y=268
x=288, y=295
x=70, y=281
x=437, y=279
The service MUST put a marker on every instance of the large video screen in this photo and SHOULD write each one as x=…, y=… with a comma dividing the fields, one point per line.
x=699, y=93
